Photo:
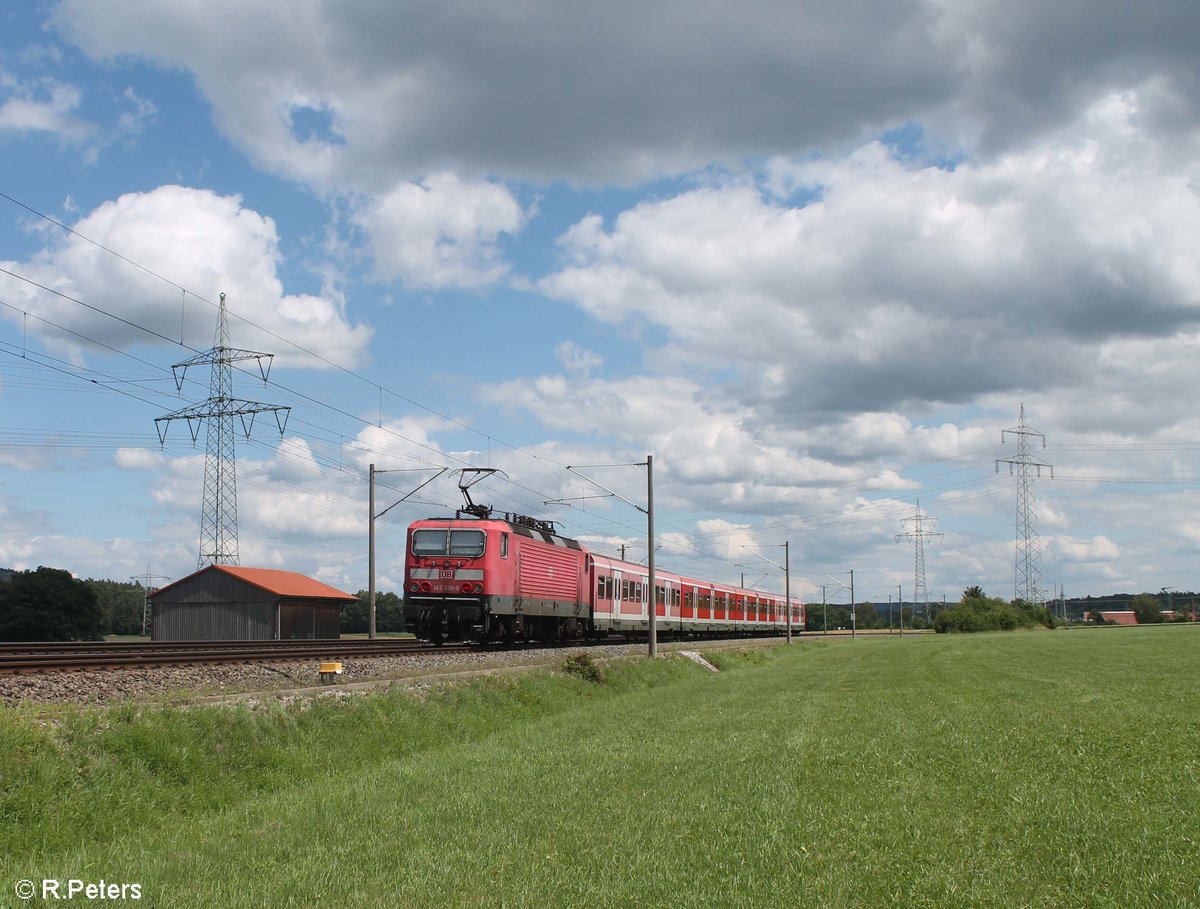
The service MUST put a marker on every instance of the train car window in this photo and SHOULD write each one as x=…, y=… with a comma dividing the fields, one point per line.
x=429, y=543
x=466, y=543
x=660, y=595
x=504, y=546
x=624, y=589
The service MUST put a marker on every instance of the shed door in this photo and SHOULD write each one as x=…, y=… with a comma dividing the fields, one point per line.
x=296, y=622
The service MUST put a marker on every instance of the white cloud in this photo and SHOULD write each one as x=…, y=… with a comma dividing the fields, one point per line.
x=200, y=240
x=140, y=110
x=440, y=232
x=139, y=459
x=43, y=105
x=1070, y=549
x=709, y=455
x=577, y=361
x=545, y=90
x=884, y=285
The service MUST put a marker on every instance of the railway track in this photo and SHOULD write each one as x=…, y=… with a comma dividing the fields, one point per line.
x=54, y=657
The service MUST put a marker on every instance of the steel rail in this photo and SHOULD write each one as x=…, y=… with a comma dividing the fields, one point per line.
x=126, y=658
x=133, y=647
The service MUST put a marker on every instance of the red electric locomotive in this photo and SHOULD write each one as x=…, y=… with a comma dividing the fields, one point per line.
x=482, y=578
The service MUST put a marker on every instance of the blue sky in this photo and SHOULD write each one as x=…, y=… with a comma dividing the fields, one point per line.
x=813, y=257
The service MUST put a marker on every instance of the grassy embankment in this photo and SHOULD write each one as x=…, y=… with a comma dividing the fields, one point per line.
x=1047, y=770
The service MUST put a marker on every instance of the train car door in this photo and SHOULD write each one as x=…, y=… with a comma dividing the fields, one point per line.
x=631, y=596
x=664, y=597
x=601, y=604
x=619, y=584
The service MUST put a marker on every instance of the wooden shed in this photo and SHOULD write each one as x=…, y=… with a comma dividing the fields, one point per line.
x=230, y=603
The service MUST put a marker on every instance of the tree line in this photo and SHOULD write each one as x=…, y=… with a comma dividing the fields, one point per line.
x=50, y=604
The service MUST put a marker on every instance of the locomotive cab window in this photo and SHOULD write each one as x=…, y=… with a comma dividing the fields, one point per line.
x=466, y=543
x=429, y=542
x=504, y=546
x=461, y=543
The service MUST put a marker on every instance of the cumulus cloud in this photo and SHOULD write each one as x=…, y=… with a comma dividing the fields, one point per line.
x=708, y=454
x=43, y=105
x=546, y=90
x=440, y=232
x=1070, y=549
x=885, y=284
x=203, y=241
x=576, y=360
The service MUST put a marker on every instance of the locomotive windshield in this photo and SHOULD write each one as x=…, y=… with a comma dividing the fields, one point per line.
x=463, y=544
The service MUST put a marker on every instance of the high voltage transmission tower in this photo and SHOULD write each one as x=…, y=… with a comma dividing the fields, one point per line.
x=1026, y=466
x=218, y=520
x=918, y=535
x=148, y=586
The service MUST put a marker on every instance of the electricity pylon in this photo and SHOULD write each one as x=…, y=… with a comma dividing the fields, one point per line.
x=1025, y=466
x=147, y=581
x=218, y=519
x=918, y=534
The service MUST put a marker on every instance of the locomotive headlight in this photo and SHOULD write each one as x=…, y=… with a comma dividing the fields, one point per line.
x=479, y=588
x=413, y=587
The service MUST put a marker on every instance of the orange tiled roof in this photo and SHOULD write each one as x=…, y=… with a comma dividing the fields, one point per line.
x=1119, y=616
x=285, y=583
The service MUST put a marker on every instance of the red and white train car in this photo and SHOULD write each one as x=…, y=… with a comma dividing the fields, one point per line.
x=493, y=579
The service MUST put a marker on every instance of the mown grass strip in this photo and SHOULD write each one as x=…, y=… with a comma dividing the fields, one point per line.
x=1053, y=769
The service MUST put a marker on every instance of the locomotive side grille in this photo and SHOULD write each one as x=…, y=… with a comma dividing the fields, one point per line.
x=549, y=573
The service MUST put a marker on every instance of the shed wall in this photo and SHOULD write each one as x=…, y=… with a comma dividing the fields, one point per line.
x=213, y=606
x=309, y=619
x=244, y=620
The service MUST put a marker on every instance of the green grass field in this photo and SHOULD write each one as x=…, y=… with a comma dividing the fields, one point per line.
x=1044, y=769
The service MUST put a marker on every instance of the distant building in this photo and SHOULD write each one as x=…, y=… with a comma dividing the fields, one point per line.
x=1117, y=617
x=1127, y=616
x=230, y=603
